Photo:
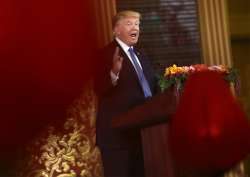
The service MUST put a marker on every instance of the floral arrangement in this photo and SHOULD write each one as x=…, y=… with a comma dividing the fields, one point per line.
x=175, y=75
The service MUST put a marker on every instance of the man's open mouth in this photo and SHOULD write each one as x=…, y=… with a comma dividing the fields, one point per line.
x=133, y=35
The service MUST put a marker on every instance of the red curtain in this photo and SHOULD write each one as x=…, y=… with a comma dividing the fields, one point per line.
x=45, y=60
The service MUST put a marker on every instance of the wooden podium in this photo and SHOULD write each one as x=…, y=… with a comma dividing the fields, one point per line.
x=152, y=119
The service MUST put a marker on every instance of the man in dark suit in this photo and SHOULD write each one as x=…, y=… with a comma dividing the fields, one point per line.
x=124, y=80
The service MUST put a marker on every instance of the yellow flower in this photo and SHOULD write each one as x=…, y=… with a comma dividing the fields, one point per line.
x=173, y=70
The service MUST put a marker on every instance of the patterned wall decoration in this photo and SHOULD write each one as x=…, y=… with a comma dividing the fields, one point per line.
x=69, y=151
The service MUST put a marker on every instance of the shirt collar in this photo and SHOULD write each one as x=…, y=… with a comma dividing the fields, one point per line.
x=124, y=46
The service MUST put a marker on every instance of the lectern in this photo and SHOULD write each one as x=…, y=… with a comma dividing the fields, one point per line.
x=152, y=118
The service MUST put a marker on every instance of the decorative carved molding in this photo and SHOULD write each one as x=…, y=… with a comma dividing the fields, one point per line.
x=69, y=151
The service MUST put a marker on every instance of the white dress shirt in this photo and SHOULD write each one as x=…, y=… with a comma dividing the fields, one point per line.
x=125, y=48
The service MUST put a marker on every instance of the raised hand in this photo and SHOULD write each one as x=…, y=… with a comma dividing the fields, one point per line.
x=117, y=61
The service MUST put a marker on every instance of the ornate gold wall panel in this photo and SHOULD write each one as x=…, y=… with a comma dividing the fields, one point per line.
x=215, y=36
x=70, y=150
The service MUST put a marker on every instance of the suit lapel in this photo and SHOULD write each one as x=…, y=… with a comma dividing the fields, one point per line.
x=128, y=69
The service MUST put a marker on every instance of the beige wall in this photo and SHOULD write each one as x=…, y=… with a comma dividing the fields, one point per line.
x=239, y=18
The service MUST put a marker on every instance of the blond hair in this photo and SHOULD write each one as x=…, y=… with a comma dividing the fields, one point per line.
x=126, y=13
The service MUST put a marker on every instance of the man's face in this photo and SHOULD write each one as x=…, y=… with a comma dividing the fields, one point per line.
x=127, y=30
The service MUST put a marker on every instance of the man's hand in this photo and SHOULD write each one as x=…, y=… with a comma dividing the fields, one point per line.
x=117, y=62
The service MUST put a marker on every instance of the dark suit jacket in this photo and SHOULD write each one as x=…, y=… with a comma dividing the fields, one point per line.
x=115, y=100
